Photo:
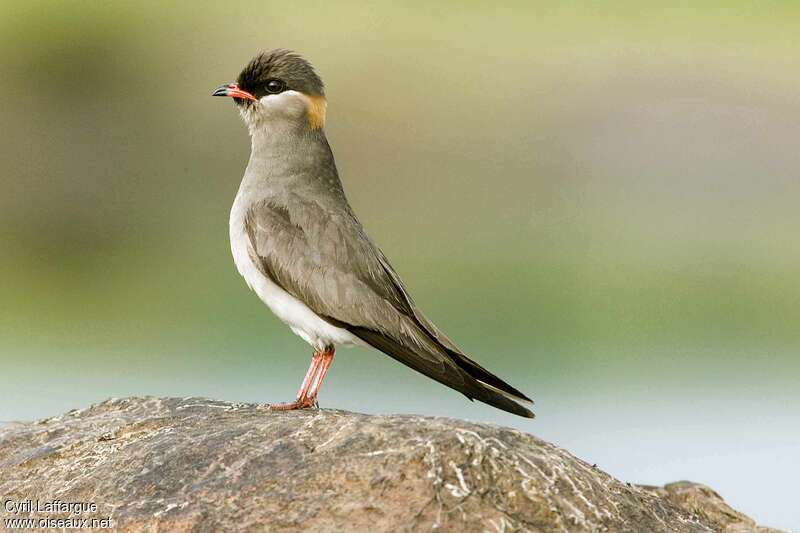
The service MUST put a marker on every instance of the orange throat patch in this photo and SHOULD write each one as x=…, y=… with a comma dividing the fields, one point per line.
x=316, y=111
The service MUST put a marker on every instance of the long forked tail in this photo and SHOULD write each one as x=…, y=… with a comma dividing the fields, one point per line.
x=487, y=378
x=500, y=399
x=493, y=390
x=455, y=370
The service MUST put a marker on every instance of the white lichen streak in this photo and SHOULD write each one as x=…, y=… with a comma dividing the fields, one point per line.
x=462, y=490
x=337, y=433
x=381, y=452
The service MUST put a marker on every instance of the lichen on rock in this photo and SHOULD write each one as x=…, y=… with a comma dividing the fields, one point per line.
x=172, y=464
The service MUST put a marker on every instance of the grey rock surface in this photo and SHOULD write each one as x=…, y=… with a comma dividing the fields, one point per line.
x=192, y=464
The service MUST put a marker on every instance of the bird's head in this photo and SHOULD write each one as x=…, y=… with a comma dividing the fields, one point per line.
x=278, y=89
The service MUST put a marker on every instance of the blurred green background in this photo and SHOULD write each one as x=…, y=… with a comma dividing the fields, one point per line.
x=599, y=201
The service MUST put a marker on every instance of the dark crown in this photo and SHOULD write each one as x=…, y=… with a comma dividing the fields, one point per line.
x=284, y=65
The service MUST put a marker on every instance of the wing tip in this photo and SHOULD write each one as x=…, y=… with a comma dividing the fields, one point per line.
x=501, y=400
x=514, y=397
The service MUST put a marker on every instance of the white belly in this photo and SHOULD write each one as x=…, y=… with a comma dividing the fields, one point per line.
x=294, y=313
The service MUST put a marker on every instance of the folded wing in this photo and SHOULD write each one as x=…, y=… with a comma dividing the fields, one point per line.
x=322, y=256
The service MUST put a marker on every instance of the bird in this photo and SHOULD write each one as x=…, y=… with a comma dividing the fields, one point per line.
x=300, y=247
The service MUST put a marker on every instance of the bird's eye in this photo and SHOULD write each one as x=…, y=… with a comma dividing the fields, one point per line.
x=275, y=86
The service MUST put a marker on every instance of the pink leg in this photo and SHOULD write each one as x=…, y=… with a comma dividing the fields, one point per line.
x=320, y=363
x=302, y=400
x=327, y=359
x=316, y=359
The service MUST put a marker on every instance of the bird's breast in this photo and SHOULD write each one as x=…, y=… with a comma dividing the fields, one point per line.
x=290, y=310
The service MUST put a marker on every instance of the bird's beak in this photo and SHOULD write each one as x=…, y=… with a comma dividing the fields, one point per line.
x=232, y=90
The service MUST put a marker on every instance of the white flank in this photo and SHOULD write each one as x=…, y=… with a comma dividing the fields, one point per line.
x=294, y=313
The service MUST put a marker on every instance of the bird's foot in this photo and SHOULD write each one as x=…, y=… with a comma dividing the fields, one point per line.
x=300, y=403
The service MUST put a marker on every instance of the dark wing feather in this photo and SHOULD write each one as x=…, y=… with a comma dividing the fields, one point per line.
x=470, y=366
x=321, y=255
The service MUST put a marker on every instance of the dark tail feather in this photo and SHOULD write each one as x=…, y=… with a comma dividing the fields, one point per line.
x=499, y=400
x=481, y=374
x=457, y=377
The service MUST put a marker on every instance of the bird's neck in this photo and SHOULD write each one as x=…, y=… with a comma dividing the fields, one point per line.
x=284, y=152
x=276, y=138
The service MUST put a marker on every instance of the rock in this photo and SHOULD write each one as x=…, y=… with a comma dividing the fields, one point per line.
x=152, y=464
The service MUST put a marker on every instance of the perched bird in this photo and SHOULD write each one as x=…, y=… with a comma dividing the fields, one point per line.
x=300, y=247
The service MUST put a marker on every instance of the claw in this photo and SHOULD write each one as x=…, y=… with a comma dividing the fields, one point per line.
x=302, y=403
x=307, y=395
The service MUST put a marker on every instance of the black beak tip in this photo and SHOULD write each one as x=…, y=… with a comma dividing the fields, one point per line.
x=222, y=90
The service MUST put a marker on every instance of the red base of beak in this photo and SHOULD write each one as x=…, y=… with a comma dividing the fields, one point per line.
x=232, y=90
